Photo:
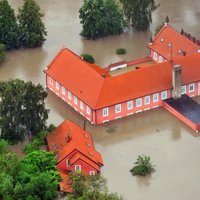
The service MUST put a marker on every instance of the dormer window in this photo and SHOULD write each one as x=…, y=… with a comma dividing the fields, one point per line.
x=170, y=44
x=180, y=51
x=162, y=39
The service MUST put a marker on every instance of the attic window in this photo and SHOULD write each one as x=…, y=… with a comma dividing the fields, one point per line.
x=170, y=44
x=54, y=146
x=56, y=156
x=91, y=153
x=86, y=135
x=180, y=51
x=89, y=145
x=162, y=39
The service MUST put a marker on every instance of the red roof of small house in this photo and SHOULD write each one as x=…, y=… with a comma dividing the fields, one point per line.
x=168, y=36
x=79, y=140
x=99, y=92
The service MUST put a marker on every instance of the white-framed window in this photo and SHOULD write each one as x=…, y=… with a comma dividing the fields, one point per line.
x=118, y=108
x=57, y=85
x=139, y=102
x=191, y=87
x=88, y=110
x=77, y=168
x=105, y=112
x=164, y=95
x=69, y=94
x=160, y=59
x=183, y=89
x=67, y=163
x=92, y=173
x=51, y=81
x=147, y=100
x=155, y=97
x=75, y=100
x=63, y=90
x=155, y=55
x=81, y=105
x=130, y=105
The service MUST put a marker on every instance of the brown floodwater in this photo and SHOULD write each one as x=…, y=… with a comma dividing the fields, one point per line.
x=173, y=147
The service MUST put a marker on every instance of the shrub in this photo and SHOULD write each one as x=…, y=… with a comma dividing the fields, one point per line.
x=88, y=58
x=120, y=51
x=143, y=166
x=2, y=53
x=158, y=28
x=51, y=128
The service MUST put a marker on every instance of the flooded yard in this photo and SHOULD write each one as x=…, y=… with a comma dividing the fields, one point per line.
x=173, y=147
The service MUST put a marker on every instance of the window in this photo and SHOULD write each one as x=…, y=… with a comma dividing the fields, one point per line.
x=164, y=95
x=105, y=112
x=88, y=110
x=155, y=55
x=147, y=100
x=92, y=173
x=69, y=95
x=191, y=87
x=57, y=85
x=118, y=108
x=63, y=90
x=77, y=168
x=81, y=105
x=160, y=59
x=130, y=105
x=183, y=89
x=67, y=162
x=155, y=97
x=75, y=100
x=139, y=102
x=51, y=81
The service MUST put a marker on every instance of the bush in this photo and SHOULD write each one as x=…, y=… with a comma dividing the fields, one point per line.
x=120, y=51
x=88, y=58
x=51, y=128
x=143, y=166
x=158, y=28
x=3, y=146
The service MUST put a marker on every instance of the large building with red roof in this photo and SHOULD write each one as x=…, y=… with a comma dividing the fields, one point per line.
x=101, y=97
x=74, y=150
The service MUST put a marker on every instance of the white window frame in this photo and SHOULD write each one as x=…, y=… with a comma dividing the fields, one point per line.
x=51, y=80
x=77, y=166
x=63, y=90
x=118, y=108
x=160, y=59
x=129, y=105
x=81, y=105
x=88, y=110
x=138, y=102
x=57, y=85
x=75, y=100
x=92, y=173
x=155, y=55
x=105, y=112
x=193, y=87
x=69, y=94
x=164, y=95
x=67, y=162
x=183, y=89
x=155, y=97
x=147, y=100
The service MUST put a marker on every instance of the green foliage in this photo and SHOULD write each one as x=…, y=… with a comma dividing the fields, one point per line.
x=51, y=128
x=158, y=28
x=100, y=18
x=139, y=13
x=143, y=166
x=91, y=187
x=32, y=29
x=22, y=109
x=3, y=146
x=88, y=58
x=9, y=31
x=2, y=53
x=120, y=51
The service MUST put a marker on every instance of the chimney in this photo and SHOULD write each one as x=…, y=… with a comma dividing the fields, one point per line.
x=68, y=137
x=176, y=81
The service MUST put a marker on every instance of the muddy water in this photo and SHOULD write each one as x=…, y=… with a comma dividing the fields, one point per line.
x=174, y=148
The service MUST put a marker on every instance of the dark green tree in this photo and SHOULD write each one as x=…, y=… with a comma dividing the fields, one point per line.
x=3, y=146
x=139, y=13
x=9, y=31
x=22, y=109
x=100, y=18
x=2, y=53
x=88, y=58
x=32, y=29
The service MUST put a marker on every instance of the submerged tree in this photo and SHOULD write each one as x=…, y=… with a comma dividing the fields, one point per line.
x=32, y=29
x=101, y=18
x=22, y=109
x=139, y=12
x=2, y=53
x=9, y=31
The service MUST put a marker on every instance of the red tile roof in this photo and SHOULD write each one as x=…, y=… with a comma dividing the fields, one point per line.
x=167, y=35
x=99, y=92
x=80, y=140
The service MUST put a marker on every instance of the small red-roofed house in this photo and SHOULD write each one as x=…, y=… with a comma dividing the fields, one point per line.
x=74, y=150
